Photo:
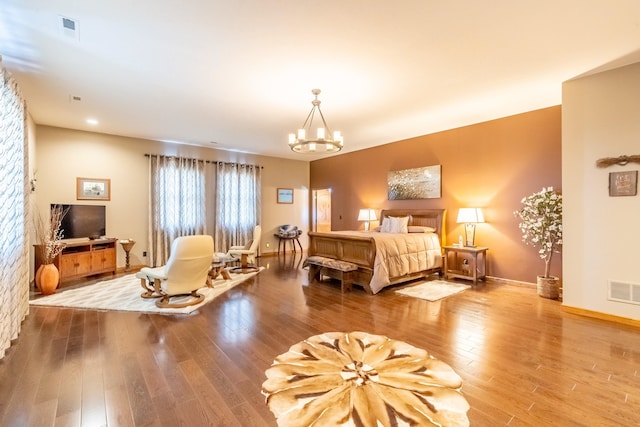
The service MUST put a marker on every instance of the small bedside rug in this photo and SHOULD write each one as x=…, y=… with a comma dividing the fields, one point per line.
x=124, y=292
x=433, y=290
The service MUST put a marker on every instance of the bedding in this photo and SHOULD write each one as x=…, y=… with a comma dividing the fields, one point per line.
x=387, y=258
x=400, y=255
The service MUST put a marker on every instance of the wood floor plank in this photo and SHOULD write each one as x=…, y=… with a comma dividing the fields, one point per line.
x=139, y=396
x=69, y=419
x=117, y=407
x=523, y=361
x=167, y=409
x=43, y=414
x=209, y=397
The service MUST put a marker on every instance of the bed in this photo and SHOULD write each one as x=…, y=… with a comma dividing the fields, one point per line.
x=383, y=258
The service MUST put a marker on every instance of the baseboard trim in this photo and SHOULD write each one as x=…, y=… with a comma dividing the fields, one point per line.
x=132, y=269
x=601, y=316
x=503, y=281
x=285, y=253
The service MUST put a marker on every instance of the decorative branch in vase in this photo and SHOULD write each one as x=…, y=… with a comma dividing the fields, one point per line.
x=50, y=245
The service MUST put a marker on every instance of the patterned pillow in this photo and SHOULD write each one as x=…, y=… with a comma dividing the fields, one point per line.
x=289, y=231
x=393, y=224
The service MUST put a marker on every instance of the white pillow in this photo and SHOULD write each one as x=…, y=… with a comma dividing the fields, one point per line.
x=392, y=224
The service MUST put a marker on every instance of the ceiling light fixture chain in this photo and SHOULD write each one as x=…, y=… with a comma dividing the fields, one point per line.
x=324, y=142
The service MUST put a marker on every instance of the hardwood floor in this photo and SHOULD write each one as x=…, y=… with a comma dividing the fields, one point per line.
x=523, y=361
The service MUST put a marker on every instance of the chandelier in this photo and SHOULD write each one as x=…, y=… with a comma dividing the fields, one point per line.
x=324, y=141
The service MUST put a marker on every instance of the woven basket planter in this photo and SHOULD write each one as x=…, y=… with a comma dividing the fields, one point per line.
x=548, y=287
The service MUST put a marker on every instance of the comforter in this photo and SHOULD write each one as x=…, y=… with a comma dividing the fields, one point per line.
x=400, y=254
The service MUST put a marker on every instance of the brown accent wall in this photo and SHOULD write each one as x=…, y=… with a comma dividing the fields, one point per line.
x=491, y=165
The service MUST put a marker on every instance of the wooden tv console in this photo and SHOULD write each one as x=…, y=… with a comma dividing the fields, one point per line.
x=82, y=258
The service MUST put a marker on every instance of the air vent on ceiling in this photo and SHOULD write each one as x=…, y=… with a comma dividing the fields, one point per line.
x=69, y=27
x=624, y=292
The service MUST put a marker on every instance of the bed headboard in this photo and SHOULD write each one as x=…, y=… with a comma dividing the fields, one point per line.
x=434, y=218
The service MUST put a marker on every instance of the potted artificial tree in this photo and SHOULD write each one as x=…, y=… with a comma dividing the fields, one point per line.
x=541, y=226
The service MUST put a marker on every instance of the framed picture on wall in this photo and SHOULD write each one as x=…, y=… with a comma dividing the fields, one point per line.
x=623, y=183
x=417, y=183
x=93, y=189
x=285, y=195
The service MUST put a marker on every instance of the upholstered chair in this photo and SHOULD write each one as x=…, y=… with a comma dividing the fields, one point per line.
x=186, y=271
x=247, y=253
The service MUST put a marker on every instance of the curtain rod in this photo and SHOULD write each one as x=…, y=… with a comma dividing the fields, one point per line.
x=200, y=160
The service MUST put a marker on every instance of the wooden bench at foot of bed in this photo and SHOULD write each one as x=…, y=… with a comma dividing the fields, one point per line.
x=336, y=269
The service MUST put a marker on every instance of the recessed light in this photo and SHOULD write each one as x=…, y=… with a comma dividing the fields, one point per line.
x=92, y=122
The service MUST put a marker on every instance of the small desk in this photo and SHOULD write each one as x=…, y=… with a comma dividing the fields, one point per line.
x=471, y=266
x=282, y=240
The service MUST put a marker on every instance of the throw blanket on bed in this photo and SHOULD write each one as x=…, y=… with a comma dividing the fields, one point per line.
x=399, y=254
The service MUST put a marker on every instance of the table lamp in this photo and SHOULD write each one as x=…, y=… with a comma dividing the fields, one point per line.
x=367, y=215
x=469, y=217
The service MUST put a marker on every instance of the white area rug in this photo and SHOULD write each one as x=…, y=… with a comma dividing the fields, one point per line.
x=124, y=292
x=433, y=290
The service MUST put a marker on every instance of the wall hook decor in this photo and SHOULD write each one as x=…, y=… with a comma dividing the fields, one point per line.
x=620, y=160
x=33, y=181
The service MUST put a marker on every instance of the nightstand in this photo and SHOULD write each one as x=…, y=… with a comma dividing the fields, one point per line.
x=465, y=262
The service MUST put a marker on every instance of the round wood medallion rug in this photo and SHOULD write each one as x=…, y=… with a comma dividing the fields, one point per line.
x=359, y=379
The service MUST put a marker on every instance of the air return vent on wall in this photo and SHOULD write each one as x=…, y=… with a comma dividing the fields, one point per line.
x=69, y=27
x=624, y=292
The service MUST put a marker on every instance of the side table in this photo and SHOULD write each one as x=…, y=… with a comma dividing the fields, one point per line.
x=282, y=240
x=127, y=245
x=218, y=268
x=465, y=262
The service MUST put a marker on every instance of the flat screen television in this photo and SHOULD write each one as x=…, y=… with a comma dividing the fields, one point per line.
x=83, y=221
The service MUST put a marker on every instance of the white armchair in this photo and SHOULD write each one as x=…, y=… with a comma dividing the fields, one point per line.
x=247, y=253
x=186, y=271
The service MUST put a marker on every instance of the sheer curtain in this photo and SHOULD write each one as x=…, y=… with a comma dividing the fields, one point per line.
x=14, y=234
x=177, y=202
x=238, y=196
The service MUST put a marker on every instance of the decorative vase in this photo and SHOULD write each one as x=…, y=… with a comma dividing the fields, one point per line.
x=47, y=278
x=548, y=287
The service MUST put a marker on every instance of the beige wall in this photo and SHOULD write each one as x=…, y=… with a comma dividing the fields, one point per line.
x=61, y=155
x=491, y=165
x=600, y=119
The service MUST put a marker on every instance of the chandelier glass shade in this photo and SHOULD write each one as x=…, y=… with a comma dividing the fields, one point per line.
x=305, y=140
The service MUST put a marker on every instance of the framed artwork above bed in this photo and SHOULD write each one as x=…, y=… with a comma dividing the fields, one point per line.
x=417, y=183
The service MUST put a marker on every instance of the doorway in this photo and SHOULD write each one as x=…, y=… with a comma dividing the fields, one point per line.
x=321, y=211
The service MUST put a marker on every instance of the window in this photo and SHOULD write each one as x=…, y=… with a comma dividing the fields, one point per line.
x=182, y=198
x=238, y=196
x=177, y=196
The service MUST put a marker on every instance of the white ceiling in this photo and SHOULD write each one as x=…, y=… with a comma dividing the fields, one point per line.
x=240, y=73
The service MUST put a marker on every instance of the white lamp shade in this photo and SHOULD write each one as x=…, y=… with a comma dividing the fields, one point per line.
x=367, y=215
x=470, y=215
